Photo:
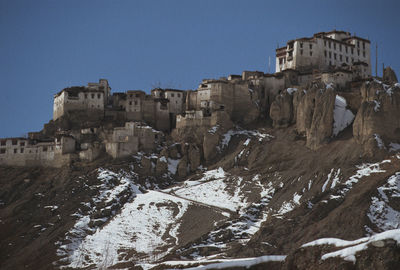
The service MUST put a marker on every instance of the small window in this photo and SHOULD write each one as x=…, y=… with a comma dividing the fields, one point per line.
x=325, y=53
x=130, y=102
x=98, y=95
x=92, y=95
x=358, y=43
x=325, y=43
x=44, y=148
x=22, y=143
x=15, y=150
x=363, y=45
x=330, y=54
x=334, y=46
x=172, y=95
x=2, y=151
x=352, y=50
x=340, y=47
x=22, y=150
x=137, y=95
x=346, y=49
x=358, y=52
x=301, y=52
x=136, y=103
x=352, y=60
x=340, y=58
x=334, y=56
x=85, y=96
x=14, y=142
x=310, y=46
x=179, y=95
x=310, y=53
x=347, y=59
x=3, y=142
x=363, y=53
x=301, y=44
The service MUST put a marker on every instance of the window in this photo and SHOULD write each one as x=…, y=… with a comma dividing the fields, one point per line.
x=85, y=96
x=172, y=95
x=329, y=44
x=130, y=102
x=22, y=143
x=325, y=53
x=92, y=95
x=330, y=54
x=14, y=142
x=136, y=103
x=310, y=53
x=358, y=52
x=347, y=59
x=363, y=53
x=358, y=43
x=15, y=150
x=280, y=61
x=330, y=63
x=334, y=56
x=334, y=46
x=301, y=45
x=44, y=148
x=340, y=47
x=346, y=49
x=3, y=142
x=98, y=95
x=137, y=95
x=325, y=43
x=352, y=50
x=2, y=151
x=340, y=58
x=22, y=150
x=301, y=52
x=310, y=46
x=179, y=95
x=363, y=45
x=352, y=60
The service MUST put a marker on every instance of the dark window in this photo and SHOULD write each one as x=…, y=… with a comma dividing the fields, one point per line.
x=352, y=50
x=340, y=47
x=330, y=63
x=130, y=102
x=44, y=148
x=358, y=43
x=329, y=44
x=172, y=95
x=136, y=102
x=325, y=53
x=15, y=150
x=92, y=95
x=340, y=58
x=347, y=59
x=3, y=142
x=358, y=52
x=22, y=150
x=137, y=95
x=352, y=60
x=364, y=45
x=310, y=46
x=14, y=142
x=334, y=56
x=179, y=95
x=325, y=43
x=346, y=49
x=301, y=44
x=98, y=95
x=301, y=52
x=85, y=96
x=2, y=151
x=330, y=54
x=334, y=46
x=22, y=143
x=310, y=53
x=364, y=53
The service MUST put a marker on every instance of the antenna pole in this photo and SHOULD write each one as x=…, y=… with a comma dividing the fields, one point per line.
x=376, y=60
x=269, y=64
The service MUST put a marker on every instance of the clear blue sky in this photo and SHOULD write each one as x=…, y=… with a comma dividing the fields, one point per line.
x=47, y=45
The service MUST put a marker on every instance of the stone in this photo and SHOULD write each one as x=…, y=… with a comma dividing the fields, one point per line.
x=146, y=165
x=194, y=157
x=161, y=166
x=281, y=111
x=389, y=76
x=210, y=143
x=182, y=170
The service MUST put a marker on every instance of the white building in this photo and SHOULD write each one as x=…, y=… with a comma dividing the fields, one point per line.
x=325, y=51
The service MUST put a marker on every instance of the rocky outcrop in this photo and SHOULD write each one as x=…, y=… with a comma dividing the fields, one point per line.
x=389, y=77
x=377, y=122
x=281, y=111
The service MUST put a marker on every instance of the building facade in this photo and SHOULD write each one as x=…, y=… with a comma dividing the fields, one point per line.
x=326, y=51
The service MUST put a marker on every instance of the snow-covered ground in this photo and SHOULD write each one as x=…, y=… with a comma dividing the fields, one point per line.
x=348, y=249
x=380, y=213
x=342, y=117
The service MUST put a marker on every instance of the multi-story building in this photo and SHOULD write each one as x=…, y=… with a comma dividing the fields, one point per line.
x=326, y=51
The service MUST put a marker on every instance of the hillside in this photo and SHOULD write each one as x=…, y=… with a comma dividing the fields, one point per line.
x=323, y=165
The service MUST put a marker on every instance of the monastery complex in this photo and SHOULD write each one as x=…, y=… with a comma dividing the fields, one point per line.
x=91, y=120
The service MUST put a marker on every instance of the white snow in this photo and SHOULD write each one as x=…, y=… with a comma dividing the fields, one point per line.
x=352, y=247
x=380, y=212
x=255, y=133
x=342, y=117
x=377, y=105
x=379, y=141
x=394, y=147
x=246, y=143
x=213, y=129
x=144, y=225
x=173, y=165
x=291, y=90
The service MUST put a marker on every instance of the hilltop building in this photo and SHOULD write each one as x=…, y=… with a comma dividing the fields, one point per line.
x=326, y=51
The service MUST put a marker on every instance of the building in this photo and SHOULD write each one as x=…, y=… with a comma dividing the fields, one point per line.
x=326, y=51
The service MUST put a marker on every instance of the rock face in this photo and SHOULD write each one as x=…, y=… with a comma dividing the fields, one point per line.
x=389, y=76
x=377, y=121
x=281, y=111
x=312, y=111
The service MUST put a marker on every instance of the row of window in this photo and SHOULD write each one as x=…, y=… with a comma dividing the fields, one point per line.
x=340, y=56
x=93, y=96
x=329, y=43
x=13, y=142
x=22, y=150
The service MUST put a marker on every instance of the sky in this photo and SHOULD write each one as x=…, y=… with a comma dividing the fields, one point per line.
x=47, y=45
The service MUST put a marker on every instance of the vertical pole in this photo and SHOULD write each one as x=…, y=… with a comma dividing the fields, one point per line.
x=269, y=64
x=376, y=60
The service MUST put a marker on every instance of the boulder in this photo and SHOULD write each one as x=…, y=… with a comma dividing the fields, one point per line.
x=161, y=166
x=304, y=103
x=146, y=165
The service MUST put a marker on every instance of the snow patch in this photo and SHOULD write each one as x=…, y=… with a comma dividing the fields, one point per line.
x=342, y=117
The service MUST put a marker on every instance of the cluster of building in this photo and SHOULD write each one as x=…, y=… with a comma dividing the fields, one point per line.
x=123, y=123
